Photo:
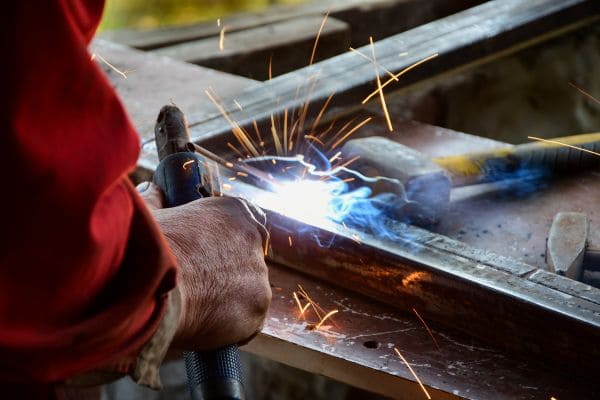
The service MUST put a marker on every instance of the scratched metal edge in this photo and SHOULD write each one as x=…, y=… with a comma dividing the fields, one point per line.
x=407, y=386
x=421, y=249
x=261, y=100
x=512, y=318
x=566, y=285
x=438, y=370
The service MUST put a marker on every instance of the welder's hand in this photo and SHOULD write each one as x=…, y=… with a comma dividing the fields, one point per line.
x=218, y=242
x=151, y=194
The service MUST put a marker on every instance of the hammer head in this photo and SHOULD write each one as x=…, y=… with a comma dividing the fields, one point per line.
x=423, y=185
x=566, y=244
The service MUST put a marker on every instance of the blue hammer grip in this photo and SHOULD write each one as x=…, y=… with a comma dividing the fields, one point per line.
x=212, y=375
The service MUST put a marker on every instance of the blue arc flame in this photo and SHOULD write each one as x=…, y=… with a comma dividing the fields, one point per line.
x=319, y=197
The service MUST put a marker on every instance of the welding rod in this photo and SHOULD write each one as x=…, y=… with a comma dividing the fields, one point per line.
x=242, y=169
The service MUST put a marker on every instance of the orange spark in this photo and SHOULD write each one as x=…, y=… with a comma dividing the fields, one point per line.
x=322, y=111
x=413, y=373
x=222, y=39
x=399, y=74
x=371, y=60
x=564, y=144
x=380, y=89
x=242, y=174
x=271, y=66
x=285, y=131
x=290, y=240
x=232, y=147
x=291, y=139
x=261, y=142
x=341, y=130
x=335, y=157
x=584, y=92
x=187, y=163
x=237, y=131
x=295, y=296
x=329, y=314
x=343, y=165
x=413, y=277
x=314, y=49
x=278, y=148
x=357, y=127
x=118, y=71
x=316, y=139
x=267, y=243
x=347, y=180
x=427, y=328
x=316, y=307
x=301, y=308
x=326, y=131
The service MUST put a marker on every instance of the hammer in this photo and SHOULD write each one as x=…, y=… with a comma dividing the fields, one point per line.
x=183, y=176
x=567, y=251
x=424, y=184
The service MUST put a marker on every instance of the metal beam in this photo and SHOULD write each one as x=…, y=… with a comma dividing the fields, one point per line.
x=474, y=35
x=504, y=302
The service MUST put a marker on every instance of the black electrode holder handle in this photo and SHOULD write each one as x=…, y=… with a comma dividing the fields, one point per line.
x=212, y=375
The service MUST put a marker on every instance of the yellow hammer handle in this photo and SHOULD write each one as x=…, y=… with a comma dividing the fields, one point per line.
x=559, y=155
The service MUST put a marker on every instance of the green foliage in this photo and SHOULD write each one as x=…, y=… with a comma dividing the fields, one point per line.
x=153, y=13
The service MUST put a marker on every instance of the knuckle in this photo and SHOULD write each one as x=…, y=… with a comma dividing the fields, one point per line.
x=267, y=298
x=263, y=299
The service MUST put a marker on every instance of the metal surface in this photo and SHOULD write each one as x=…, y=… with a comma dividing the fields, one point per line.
x=566, y=244
x=475, y=291
x=356, y=347
x=468, y=36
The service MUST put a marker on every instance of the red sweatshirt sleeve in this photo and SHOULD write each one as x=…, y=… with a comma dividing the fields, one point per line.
x=84, y=271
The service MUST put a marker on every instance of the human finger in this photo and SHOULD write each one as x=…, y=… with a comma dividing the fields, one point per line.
x=151, y=194
x=256, y=215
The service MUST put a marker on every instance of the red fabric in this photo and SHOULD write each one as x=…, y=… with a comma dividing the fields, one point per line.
x=83, y=268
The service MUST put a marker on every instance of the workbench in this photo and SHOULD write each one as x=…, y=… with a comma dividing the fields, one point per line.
x=356, y=346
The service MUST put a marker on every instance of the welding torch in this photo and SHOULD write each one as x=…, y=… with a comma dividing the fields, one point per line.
x=183, y=177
